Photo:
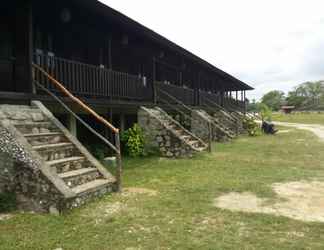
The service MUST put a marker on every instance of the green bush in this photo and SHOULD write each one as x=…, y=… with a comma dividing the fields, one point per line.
x=265, y=112
x=133, y=141
x=251, y=126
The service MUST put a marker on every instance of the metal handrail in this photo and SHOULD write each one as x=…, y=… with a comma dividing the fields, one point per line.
x=76, y=116
x=60, y=86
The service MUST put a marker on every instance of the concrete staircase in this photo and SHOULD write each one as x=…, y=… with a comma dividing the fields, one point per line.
x=68, y=169
x=171, y=138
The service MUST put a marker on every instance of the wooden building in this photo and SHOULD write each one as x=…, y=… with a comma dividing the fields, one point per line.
x=102, y=56
x=95, y=55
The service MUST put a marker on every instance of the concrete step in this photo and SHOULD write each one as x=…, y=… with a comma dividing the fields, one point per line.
x=53, y=146
x=51, y=152
x=42, y=134
x=45, y=138
x=185, y=137
x=79, y=177
x=69, y=164
x=65, y=160
x=91, y=186
x=36, y=127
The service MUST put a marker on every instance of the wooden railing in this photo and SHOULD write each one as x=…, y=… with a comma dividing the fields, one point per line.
x=235, y=105
x=216, y=98
x=227, y=103
x=59, y=86
x=89, y=80
x=185, y=95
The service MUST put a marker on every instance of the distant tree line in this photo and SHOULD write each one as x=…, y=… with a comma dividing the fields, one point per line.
x=306, y=96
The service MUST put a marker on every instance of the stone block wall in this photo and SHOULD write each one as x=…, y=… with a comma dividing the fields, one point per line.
x=7, y=173
x=21, y=172
x=228, y=121
x=158, y=138
x=200, y=127
x=200, y=124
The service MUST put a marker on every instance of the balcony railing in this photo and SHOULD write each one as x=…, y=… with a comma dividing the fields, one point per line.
x=227, y=102
x=89, y=80
x=234, y=104
x=185, y=95
x=98, y=82
x=216, y=98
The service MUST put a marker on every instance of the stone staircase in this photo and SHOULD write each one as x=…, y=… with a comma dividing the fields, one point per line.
x=219, y=131
x=60, y=173
x=167, y=135
x=232, y=122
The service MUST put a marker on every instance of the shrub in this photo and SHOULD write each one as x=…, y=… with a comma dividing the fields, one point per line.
x=266, y=112
x=251, y=126
x=133, y=140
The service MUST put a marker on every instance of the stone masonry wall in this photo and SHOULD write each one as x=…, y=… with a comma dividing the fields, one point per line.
x=21, y=172
x=160, y=139
x=7, y=173
x=227, y=121
x=200, y=126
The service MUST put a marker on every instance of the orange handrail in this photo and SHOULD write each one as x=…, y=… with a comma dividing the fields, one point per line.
x=77, y=100
x=98, y=118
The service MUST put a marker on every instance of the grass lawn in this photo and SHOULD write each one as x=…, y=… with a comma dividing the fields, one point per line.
x=181, y=215
x=311, y=118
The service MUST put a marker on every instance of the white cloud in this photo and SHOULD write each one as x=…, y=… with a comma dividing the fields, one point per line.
x=268, y=44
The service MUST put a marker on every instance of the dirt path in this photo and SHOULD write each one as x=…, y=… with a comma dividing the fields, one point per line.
x=315, y=128
x=298, y=200
x=301, y=200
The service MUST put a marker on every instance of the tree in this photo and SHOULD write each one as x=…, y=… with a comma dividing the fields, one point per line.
x=308, y=95
x=253, y=106
x=274, y=99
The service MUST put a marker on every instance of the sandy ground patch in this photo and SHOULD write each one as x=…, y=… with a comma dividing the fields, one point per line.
x=298, y=200
x=135, y=191
x=318, y=130
x=284, y=131
x=4, y=217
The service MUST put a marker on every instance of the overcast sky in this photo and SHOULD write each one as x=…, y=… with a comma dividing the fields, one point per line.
x=273, y=44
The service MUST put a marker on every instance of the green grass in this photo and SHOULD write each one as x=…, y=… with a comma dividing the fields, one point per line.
x=182, y=215
x=308, y=118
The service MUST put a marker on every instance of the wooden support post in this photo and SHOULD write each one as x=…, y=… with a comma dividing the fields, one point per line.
x=24, y=47
x=154, y=82
x=122, y=122
x=245, y=107
x=109, y=53
x=197, y=90
x=72, y=125
x=210, y=137
x=119, y=163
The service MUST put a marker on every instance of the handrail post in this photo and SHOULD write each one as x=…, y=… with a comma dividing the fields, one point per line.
x=119, y=163
x=210, y=137
x=154, y=82
x=155, y=93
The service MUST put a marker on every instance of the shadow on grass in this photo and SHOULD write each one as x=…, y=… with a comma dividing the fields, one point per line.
x=7, y=202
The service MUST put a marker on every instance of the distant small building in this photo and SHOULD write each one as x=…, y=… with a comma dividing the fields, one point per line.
x=287, y=109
